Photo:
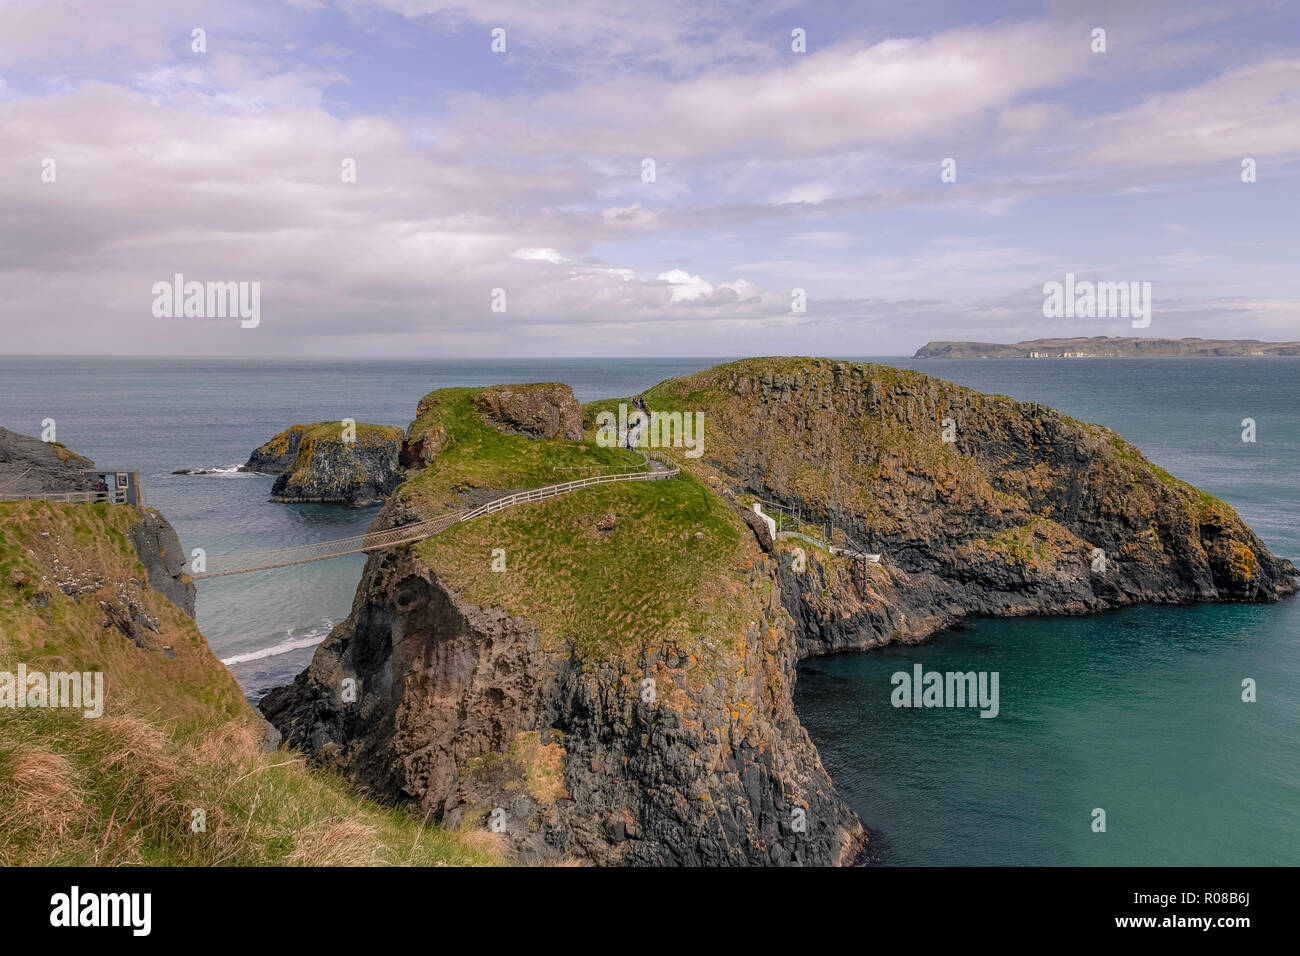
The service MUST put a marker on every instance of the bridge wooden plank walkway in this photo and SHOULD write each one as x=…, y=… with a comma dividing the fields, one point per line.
x=660, y=467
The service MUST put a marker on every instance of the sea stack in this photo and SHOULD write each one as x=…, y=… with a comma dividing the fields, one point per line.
x=345, y=463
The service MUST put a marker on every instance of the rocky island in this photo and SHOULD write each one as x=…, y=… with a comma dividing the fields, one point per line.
x=331, y=462
x=1102, y=346
x=606, y=676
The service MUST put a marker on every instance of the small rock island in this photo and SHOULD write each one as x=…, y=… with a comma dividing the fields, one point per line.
x=355, y=465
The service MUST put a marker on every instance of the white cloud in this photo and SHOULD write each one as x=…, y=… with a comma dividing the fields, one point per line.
x=899, y=91
x=685, y=286
x=1251, y=111
x=543, y=255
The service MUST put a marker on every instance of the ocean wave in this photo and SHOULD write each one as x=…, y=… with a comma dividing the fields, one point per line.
x=310, y=639
x=237, y=468
x=216, y=470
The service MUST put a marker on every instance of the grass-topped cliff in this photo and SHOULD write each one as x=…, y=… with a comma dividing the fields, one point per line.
x=524, y=687
x=175, y=736
x=1009, y=515
x=460, y=448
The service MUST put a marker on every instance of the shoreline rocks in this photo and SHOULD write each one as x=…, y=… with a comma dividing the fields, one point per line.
x=276, y=456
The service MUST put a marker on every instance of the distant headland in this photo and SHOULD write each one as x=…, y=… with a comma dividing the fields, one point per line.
x=1102, y=346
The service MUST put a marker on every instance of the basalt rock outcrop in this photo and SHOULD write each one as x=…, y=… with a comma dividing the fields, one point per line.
x=276, y=456
x=155, y=541
x=30, y=465
x=461, y=712
x=545, y=410
x=354, y=465
x=521, y=710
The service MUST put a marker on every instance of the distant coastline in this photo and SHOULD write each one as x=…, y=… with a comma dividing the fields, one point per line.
x=1102, y=346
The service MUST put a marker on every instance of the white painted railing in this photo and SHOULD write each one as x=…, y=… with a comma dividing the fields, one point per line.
x=68, y=497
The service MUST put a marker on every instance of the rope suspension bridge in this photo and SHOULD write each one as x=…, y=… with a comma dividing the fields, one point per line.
x=660, y=468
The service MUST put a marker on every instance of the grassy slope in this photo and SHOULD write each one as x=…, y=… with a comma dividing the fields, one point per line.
x=631, y=573
x=176, y=734
x=479, y=456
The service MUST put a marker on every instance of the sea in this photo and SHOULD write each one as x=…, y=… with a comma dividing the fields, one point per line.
x=1135, y=713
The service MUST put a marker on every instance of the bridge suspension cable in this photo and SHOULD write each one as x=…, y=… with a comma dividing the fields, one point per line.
x=406, y=534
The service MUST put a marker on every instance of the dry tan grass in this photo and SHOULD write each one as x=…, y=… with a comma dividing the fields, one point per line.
x=335, y=842
x=484, y=842
x=39, y=794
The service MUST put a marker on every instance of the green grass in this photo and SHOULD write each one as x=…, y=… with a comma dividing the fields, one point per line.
x=643, y=579
x=479, y=456
x=333, y=431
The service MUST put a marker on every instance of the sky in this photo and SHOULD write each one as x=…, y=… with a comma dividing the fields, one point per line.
x=676, y=178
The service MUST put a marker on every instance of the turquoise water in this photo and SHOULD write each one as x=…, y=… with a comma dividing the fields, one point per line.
x=1137, y=712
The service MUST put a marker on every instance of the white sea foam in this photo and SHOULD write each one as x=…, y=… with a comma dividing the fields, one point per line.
x=310, y=639
x=216, y=470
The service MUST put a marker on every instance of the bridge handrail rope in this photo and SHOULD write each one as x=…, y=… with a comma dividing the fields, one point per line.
x=405, y=534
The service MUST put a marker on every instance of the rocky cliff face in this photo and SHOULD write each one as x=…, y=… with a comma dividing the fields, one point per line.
x=28, y=465
x=327, y=463
x=546, y=410
x=520, y=699
x=979, y=504
x=277, y=456
x=159, y=549
x=461, y=710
